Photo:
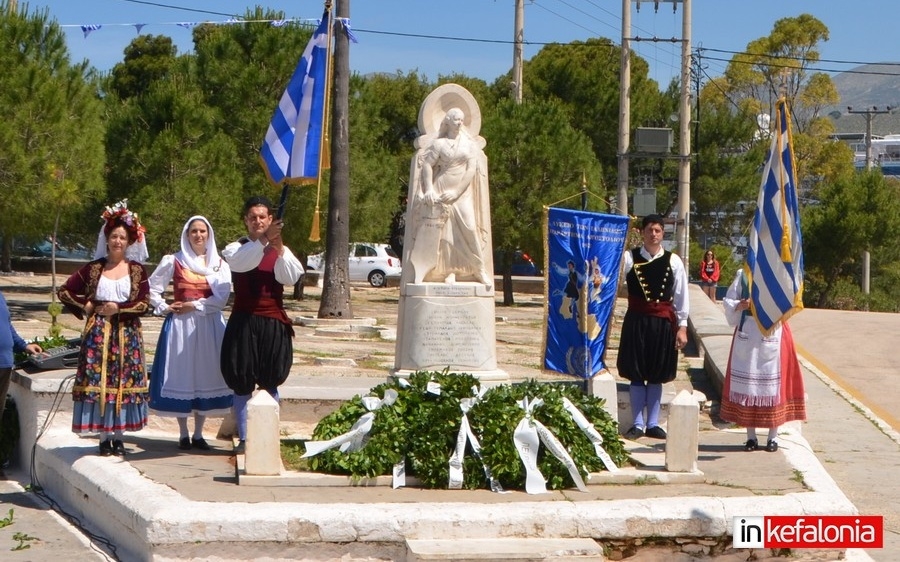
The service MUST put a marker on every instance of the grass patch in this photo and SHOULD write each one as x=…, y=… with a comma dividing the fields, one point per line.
x=291, y=451
x=646, y=481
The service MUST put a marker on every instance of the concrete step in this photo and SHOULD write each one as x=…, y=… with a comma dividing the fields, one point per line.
x=524, y=549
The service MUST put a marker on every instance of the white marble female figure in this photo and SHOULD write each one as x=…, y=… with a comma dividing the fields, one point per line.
x=450, y=237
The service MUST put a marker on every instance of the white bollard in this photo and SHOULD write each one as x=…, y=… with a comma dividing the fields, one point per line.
x=682, y=443
x=263, y=447
x=603, y=385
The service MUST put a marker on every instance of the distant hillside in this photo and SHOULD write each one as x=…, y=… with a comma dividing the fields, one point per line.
x=881, y=87
x=870, y=85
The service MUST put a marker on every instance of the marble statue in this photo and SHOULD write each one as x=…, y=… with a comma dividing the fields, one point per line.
x=448, y=222
x=445, y=317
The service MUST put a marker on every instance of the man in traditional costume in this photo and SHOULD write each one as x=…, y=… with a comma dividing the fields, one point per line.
x=257, y=350
x=763, y=381
x=655, y=326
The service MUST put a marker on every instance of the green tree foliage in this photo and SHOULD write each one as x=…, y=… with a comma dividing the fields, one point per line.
x=147, y=59
x=858, y=213
x=243, y=70
x=383, y=125
x=778, y=64
x=176, y=161
x=535, y=158
x=584, y=76
x=51, y=131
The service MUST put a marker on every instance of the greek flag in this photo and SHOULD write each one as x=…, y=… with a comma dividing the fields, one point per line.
x=775, y=255
x=290, y=151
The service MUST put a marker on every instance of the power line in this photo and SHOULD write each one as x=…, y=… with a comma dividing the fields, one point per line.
x=591, y=31
x=811, y=68
x=169, y=6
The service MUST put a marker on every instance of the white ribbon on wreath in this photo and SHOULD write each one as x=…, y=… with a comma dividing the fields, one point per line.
x=591, y=432
x=466, y=435
x=527, y=437
x=356, y=438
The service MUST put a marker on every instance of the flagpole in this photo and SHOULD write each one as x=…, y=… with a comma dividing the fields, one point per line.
x=314, y=231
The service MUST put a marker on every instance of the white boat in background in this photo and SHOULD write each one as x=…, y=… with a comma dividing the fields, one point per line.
x=885, y=154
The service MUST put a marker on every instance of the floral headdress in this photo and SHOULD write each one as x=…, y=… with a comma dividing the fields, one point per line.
x=120, y=213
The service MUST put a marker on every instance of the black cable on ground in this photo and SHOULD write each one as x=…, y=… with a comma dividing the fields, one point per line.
x=38, y=490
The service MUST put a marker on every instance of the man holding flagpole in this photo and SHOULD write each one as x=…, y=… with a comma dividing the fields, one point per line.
x=257, y=348
x=763, y=382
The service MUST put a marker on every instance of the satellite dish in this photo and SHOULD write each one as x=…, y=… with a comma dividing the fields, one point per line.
x=673, y=117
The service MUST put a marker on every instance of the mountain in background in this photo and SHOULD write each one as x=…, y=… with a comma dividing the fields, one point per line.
x=871, y=85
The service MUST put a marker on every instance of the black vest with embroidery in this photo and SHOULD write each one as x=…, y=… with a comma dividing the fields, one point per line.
x=653, y=280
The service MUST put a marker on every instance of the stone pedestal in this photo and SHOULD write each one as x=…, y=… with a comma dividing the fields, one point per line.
x=603, y=385
x=263, y=448
x=682, y=443
x=443, y=325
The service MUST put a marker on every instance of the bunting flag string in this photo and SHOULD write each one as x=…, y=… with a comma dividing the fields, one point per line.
x=87, y=29
x=308, y=22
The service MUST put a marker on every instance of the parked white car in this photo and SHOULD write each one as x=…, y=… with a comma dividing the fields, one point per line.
x=368, y=262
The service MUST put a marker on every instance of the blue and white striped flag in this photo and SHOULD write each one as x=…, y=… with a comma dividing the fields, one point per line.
x=775, y=254
x=291, y=148
x=88, y=28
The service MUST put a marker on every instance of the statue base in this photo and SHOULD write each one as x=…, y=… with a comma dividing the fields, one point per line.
x=447, y=325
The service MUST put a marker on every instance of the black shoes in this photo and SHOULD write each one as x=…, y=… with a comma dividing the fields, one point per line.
x=656, y=432
x=240, y=447
x=634, y=433
x=112, y=447
x=188, y=443
x=118, y=448
x=752, y=445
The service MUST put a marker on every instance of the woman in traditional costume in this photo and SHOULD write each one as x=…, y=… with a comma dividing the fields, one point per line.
x=763, y=382
x=112, y=293
x=186, y=376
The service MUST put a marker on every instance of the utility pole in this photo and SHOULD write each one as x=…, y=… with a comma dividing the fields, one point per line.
x=870, y=114
x=335, y=302
x=684, y=144
x=624, y=111
x=518, y=40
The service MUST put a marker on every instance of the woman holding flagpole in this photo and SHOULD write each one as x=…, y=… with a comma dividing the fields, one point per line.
x=763, y=382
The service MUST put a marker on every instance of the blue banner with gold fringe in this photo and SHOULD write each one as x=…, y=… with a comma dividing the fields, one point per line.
x=581, y=261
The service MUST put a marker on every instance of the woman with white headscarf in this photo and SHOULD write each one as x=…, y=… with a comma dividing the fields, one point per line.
x=186, y=377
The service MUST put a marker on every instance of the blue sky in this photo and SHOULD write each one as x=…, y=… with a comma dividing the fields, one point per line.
x=861, y=32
